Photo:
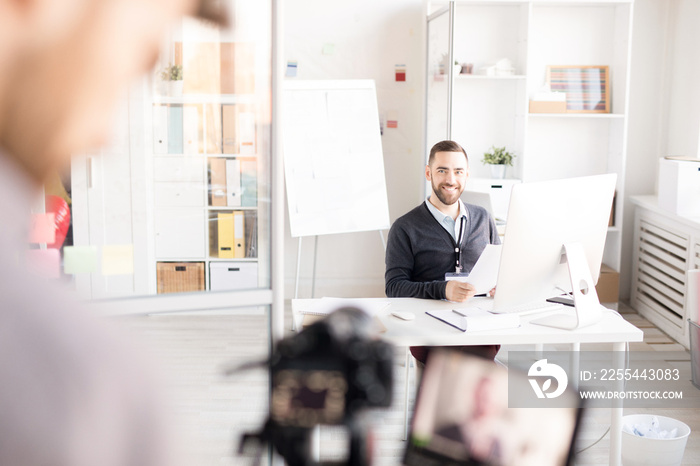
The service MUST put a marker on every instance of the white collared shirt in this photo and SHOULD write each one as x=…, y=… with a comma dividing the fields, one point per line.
x=448, y=223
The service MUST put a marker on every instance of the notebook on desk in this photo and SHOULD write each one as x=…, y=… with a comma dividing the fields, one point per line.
x=475, y=320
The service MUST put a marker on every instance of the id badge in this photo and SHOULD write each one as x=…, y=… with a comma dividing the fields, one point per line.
x=460, y=277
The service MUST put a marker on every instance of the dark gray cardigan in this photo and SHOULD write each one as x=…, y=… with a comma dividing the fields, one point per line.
x=420, y=251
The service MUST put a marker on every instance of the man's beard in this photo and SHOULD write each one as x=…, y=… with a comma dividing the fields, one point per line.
x=442, y=196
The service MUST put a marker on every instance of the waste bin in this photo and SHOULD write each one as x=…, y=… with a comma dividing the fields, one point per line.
x=645, y=451
x=694, y=331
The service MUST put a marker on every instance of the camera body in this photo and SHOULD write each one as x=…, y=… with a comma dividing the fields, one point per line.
x=326, y=375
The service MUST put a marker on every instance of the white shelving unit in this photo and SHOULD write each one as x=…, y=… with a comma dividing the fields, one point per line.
x=156, y=197
x=479, y=111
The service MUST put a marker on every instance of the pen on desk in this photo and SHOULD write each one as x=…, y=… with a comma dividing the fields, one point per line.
x=458, y=313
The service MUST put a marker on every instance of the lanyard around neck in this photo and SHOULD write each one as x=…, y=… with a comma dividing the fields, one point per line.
x=460, y=237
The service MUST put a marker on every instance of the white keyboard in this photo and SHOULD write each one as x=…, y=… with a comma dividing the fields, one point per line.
x=525, y=309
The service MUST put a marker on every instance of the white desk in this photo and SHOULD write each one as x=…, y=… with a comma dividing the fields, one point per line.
x=428, y=331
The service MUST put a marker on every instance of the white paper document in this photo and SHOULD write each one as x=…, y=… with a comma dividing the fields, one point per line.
x=484, y=274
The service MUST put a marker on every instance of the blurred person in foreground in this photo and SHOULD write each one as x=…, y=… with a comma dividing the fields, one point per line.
x=73, y=391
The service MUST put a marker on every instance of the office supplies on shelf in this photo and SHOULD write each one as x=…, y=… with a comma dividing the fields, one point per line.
x=249, y=183
x=239, y=235
x=233, y=183
x=225, y=227
x=160, y=129
x=217, y=181
x=175, y=140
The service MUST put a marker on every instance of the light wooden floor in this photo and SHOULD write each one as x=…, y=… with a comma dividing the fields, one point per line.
x=210, y=411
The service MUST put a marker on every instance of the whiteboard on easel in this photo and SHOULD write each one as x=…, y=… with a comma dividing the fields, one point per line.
x=333, y=159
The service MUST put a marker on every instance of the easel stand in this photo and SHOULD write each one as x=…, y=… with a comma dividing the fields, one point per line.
x=313, y=275
x=588, y=311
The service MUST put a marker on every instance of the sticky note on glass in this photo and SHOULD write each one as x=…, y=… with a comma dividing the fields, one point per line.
x=291, y=69
x=392, y=120
x=43, y=228
x=118, y=259
x=79, y=259
x=328, y=49
x=400, y=72
x=44, y=262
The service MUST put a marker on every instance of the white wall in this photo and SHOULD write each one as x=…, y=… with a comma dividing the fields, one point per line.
x=664, y=101
x=369, y=38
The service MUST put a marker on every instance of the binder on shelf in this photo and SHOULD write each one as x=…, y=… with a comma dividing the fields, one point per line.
x=217, y=182
x=238, y=235
x=160, y=129
x=225, y=226
x=190, y=129
x=175, y=145
x=213, y=129
x=228, y=118
x=233, y=183
x=246, y=133
x=249, y=183
x=251, y=233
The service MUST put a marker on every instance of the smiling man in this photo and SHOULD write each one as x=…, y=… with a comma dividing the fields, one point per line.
x=442, y=235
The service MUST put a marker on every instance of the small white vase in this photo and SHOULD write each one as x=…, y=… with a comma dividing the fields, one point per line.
x=175, y=88
x=498, y=171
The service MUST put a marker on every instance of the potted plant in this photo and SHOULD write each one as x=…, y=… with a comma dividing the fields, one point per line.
x=172, y=75
x=499, y=159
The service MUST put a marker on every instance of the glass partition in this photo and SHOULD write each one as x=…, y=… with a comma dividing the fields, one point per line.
x=179, y=200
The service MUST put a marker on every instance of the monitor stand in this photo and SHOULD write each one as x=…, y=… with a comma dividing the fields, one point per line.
x=588, y=311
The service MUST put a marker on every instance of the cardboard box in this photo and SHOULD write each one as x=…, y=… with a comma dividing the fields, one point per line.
x=537, y=106
x=679, y=185
x=608, y=287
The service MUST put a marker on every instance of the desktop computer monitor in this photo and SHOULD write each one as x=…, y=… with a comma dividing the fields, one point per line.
x=543, y=217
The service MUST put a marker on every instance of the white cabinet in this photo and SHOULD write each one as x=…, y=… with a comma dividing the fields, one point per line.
x=233, y=276
x=185, y=194
x=487, y=108
x=178, y=169
x=179, y=233
x=666, y=245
